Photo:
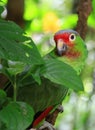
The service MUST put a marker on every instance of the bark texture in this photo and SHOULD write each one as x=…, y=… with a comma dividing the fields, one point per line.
x=3, y=80
x=84, y=10
x=15, y=11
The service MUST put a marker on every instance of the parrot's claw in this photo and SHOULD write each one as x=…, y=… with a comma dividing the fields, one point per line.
x=47, y=125
x=32, y=129
x=60, y=108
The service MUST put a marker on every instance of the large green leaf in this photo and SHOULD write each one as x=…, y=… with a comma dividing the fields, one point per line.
x=16, y=46
x=1, y=10
x=3, y=97
x=15, y=67
x=16, y=116
x=61, y=73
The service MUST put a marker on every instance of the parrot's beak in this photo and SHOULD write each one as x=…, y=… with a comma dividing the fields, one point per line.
x=61, y=47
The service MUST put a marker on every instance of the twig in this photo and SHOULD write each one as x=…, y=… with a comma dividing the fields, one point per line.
x=84, y=10
x=51, y=118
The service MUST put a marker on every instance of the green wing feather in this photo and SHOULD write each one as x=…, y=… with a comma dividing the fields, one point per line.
x=42, y=96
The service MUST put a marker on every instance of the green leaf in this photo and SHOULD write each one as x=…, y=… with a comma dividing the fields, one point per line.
x=1, y=9
x=24, y=81
x=2, y=94
x=16, y=116
x=16, y=46
x=61, y=73
x=15, y=67
x=3, y=97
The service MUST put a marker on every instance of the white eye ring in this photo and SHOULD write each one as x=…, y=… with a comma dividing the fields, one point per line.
x=72, y=37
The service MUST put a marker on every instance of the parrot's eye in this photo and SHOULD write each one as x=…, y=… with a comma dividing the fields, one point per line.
x=72, y=37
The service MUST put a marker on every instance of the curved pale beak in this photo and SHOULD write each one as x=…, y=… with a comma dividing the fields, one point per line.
x=61, y=47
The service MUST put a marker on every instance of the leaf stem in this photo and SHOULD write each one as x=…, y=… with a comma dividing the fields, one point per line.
x=15, y=90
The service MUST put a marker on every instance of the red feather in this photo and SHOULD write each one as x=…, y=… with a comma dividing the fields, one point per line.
x=64, y=37
x=42, y=116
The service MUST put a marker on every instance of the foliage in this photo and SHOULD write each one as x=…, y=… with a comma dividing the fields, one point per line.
x=19, y=54
x=14, y=40
x=16, y=116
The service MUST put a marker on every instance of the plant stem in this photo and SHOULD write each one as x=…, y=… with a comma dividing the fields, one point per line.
x=15, y=91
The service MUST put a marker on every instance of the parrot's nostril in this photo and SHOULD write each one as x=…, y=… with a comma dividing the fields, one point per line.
x=62, y=51
x=64, y=48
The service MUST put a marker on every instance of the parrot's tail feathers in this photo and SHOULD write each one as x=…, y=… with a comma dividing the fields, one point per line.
x=42, y=116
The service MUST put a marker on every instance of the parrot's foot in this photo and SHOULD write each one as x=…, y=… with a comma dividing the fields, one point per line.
x=32, y=129
x=60, y=108
x=47, y=125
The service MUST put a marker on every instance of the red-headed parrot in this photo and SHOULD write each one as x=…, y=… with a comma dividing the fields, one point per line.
x=70, y=49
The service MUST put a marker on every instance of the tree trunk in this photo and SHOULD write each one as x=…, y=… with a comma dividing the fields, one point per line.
x=15, y=11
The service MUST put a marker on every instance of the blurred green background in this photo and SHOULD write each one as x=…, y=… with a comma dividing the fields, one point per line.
x=41, y=19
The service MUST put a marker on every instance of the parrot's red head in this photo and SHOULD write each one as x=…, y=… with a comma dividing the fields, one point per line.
x=65, y=43
x=70, y=48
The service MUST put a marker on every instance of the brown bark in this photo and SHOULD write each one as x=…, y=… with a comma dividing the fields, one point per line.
x=3, y=80
x=52, y=118
x=15, y=11
x=84, y=10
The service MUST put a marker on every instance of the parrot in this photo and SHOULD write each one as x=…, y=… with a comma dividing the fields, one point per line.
x=70, y=49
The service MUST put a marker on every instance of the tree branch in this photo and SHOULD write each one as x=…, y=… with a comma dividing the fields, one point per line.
x=15, y=11
x=51, y=118
x=84, y=10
